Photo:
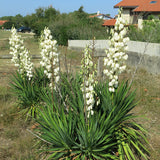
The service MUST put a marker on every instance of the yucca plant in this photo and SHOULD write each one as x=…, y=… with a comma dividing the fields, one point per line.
x=130, y=136
x=28, y=91
x=40, y=78
x=70, y=86
x=110, y=133
x=64, y=93
x=69, y=136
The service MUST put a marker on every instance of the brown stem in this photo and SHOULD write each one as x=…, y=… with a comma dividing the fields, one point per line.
x=85, y=110
x=93, y=47
x=65, y=60
x=52, y=78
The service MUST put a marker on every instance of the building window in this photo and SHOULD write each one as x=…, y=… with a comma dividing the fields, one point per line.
x=153, y=2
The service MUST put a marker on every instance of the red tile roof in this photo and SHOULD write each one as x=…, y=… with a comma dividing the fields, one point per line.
x=110, y=22
x=2, y=22
x=148, y=6
x=140, y=5
x=128, y=3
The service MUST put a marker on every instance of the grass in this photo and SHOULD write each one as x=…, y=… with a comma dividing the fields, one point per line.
x=6, y=34
x=30, y=42
x=17, y=143
x=148, y=93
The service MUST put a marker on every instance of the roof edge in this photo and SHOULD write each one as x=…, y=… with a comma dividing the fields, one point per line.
x=125, y=6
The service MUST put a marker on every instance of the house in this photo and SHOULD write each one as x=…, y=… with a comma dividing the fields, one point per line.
x=135, y=11
x=107, y=20
x=100, y=16
x=2, y=22
x=109, y=23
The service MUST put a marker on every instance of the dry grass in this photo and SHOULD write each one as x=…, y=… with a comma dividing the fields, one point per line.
x=17, y=143
x=30, y=42
x=6, y=34
x=148, y=93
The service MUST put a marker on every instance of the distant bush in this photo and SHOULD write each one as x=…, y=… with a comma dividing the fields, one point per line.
x=74, y=25
x=149, y=33
x=77, y=25
x=9, y=25
x=42, y=18
x=16, y=21
x=38, y=27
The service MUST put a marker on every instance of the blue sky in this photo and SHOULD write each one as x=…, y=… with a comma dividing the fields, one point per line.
x=24, y=7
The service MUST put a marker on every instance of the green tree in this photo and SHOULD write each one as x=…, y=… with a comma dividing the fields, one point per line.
x=40, y=13
x=30, y=20
x=51, y=14
x=19, y=21
x=76, y=25
x=9, y=24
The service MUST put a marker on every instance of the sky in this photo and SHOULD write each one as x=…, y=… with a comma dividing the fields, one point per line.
x=24, y=7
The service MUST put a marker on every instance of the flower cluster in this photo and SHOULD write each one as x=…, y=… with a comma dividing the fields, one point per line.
x=88, y=75
x=50, y=57
x=20, y=55
x=116, y=54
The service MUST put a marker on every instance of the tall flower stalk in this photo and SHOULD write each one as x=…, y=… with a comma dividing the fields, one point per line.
x=116, y=54
x=87, y=87
x=50, y=57
x=20, y=55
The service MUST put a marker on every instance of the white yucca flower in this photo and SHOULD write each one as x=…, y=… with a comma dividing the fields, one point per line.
x=116, y=54
x=50, y=57
x=88, y=76
x=20, y=55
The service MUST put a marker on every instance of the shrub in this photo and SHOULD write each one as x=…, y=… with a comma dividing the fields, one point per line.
x=77, y=117
x=149, y=32
x=9, y=25
x=28, y=92
x=38, y=27
x=110, y=133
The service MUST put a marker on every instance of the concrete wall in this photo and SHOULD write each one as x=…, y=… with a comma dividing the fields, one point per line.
x=151, y=49
x=149, y=53
x=80, y=44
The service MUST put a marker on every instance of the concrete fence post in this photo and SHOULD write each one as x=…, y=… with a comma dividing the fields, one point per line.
x=100, y=67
